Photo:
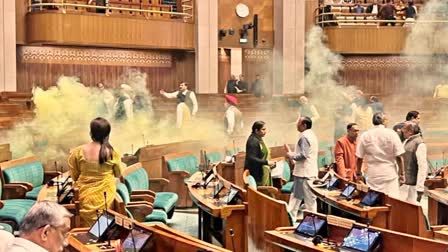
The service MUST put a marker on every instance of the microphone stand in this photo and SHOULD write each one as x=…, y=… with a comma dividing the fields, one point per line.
x=107, y=219
x=232, y=234
x=133, y=240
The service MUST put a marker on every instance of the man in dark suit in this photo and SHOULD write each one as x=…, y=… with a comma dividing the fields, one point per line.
x=374, y=8
x=242, y=84
x=231, y=85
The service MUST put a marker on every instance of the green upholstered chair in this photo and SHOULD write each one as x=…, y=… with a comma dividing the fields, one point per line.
x=250, y=181
x=212, y=157
x=137, y=182
x=177, y=167
x=27, y=171
x=12, y=211
x=140, y=207
x=287, y=180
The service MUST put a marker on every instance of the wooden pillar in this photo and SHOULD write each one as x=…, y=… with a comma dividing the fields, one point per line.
x=289, y=47
x=206, y=46
x=8, y=80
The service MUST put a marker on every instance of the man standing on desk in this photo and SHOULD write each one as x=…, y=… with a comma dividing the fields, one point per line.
x=382, y=149
x=305, y=167
x=415, y=163
x=187, y=105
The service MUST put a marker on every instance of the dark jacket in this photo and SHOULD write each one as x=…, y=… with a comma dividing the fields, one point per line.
x=254, y=158
x=370, y=8
x=231, y=87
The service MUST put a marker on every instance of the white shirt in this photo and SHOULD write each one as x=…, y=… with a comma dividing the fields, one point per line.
x=192, y=97
x=305, y=165
x=375, y=9
x=422, y=163
x=24, y=245
x=379, y=147
x=230, y=116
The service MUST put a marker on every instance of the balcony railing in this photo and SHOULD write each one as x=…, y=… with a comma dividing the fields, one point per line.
x=127, y=8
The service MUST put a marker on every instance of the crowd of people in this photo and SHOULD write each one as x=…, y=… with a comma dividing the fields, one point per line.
x=392, y=161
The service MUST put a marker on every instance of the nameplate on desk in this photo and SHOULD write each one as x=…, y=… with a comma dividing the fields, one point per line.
x=119, y=220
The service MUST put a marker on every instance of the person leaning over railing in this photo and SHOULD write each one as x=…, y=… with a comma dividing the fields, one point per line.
x=388, y=12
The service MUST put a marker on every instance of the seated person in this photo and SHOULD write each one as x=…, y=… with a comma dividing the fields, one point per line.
x=44, y=228
x=358, y=9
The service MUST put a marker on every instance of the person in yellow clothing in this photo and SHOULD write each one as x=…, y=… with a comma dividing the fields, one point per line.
x=94, y=167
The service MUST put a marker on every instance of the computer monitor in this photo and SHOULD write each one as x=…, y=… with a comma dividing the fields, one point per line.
x=370, y=199
x=136, y=240
x=311, y=226
x=101, y=225
x=333, y=183
x=348, y=191
x=231, y=196
x=218, y=188
x=362, y=239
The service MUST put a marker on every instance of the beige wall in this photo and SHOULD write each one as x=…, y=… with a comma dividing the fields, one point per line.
x=206, y=33
x=7, y=46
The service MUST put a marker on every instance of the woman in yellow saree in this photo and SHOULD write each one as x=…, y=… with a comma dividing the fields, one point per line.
x=94, y=167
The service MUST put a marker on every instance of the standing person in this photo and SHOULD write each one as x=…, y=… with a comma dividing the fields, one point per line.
x=382, y=149
x=187, y=105
x=257, y=155
x=373, y=8
x=388, y=12
x=305, y=167
x=308, y=109
x=376, y=105
x=257, y=86
x=45, y=227
x=107, y=100
x=415, y=163
x=124, y=108
x=344, y=153
x=231, y=85
x=363, y=114
x=241, y=84
x=411, y=116
x=94, y=167
x=233, y=118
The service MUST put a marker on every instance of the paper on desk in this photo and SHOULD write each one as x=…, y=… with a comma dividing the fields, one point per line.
x=277, y=172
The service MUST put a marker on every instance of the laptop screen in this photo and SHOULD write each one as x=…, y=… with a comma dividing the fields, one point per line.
x=218, y=189
x=360, y=239
x=310, y=225
x=136, y=240
x=333, y=182
x=100, y=225
x=348, y=191
x=229, y=197
x=370, y=198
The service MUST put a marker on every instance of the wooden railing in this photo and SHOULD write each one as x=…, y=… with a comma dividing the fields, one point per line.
x=135, y=8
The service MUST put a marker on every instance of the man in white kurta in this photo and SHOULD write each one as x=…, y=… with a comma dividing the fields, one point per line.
x=415, y=164
x=381, y=149
x=187, y=105
x=305, y=168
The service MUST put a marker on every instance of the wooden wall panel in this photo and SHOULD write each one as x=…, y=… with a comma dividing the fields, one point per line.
x=46, y=72
x=259, y=61
x=366, y=39
x=112, y=31
x=388, y=75
x=21, y=10
x=311, y=6
x=228, y=19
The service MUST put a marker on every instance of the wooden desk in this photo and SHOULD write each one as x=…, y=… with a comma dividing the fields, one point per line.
x=284, y=238
x=213, y=212
x=438, y=206
x=163, y=239
x=377, y=215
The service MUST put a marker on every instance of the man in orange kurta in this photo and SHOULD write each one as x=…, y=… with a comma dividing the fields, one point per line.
x=344, y=153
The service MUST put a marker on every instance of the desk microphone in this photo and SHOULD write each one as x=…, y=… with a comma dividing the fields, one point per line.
x=232, y=234
x=98, y=215
x=105, y=214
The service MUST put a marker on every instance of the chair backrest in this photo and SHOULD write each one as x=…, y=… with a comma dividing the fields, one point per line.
x=249, y=180
x=286, y=171
x=28, y=169
x=214, y=157
x=264, y=213
x=403, y=211
x=123, y=192
x=182, y=162
x=136, y=178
